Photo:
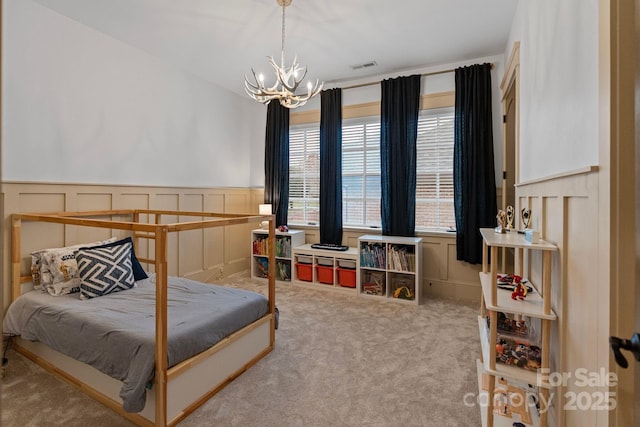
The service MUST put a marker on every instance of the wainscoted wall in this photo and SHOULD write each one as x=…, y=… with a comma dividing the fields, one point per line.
x=565, y=210
x=201, y=254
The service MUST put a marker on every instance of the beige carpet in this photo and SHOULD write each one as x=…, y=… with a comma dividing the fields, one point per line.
x=339, y=361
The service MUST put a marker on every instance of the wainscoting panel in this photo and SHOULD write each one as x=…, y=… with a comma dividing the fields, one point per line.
x=434, y=260
x=213, y=257
x=191, y=242
x=198, y=254
x=91, y=201
x=237, y=238
x=167, y=201
x=565, y=210
x=37, y=236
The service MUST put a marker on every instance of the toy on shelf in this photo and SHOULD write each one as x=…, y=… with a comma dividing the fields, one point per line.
x=516, y=352
x=514, y=325
x=519, y=293
x=509, y=282
x=403, y=292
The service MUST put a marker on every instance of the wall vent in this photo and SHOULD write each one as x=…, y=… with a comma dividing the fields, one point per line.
x=364, y=65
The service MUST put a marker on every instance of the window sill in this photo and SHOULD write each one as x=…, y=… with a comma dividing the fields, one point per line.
x=377, y=230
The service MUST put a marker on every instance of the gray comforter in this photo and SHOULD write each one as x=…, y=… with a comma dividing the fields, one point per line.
x=115, y=333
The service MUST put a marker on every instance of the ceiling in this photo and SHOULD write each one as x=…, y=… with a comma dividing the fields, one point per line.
x=221, y=41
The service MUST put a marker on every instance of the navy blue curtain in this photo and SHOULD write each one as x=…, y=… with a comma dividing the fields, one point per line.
x=399, y=108
x=276, y=161
x=331, y=166
x=474, y=179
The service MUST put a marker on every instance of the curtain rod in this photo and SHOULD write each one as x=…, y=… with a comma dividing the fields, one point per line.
x=433, y=73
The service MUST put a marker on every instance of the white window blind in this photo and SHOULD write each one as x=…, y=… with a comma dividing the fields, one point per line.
x=434, y=169
x=304, y=173
x=361, y=171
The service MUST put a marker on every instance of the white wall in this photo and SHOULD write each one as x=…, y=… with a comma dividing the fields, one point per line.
x=559, y=85
x=559, y=133
x=430, y=85
x=79, y=106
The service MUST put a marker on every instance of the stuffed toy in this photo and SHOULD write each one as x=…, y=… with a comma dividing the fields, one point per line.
x=519, y=293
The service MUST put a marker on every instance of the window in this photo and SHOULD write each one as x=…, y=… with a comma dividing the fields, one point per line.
x=304, y=174
x=434, y=169
x=361, y=171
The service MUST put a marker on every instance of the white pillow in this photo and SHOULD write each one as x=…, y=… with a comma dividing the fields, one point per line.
x=55, y=270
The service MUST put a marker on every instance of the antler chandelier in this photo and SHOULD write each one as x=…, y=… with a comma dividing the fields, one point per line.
x=288, y=79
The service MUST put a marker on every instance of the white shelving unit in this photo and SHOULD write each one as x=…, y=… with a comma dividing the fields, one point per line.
x=536, y=305
x=285, y=242
x=326, y=269
x=388, y=263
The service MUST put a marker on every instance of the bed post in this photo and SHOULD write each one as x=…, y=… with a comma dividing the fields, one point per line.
x=161, y=325
x=15, y=256
x=272, y=278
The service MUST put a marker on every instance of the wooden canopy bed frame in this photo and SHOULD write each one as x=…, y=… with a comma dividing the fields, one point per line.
x=179, y=390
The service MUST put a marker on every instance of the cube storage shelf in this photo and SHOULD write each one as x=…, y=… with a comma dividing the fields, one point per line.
x=390, y=268
x=536, y=305
x=325, y=268
x=285, y=242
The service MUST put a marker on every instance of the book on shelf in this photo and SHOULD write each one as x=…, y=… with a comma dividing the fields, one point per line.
x=283, y=247
x=401, y=258
x=284, y=270
x=260, y=246
x=373, y=256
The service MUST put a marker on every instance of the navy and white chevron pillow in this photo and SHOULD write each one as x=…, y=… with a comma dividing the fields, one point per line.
x=105, y=270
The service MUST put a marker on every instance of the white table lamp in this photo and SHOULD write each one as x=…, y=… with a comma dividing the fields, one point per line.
x=265, y=210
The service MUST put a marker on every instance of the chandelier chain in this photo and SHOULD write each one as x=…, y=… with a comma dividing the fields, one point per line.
x=282, y=50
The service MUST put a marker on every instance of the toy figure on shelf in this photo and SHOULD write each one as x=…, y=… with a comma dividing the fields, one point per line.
x=519, y=293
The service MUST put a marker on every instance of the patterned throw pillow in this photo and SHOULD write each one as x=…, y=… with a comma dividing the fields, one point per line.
x=53, y=270
x=105, y=270
x=138, y=271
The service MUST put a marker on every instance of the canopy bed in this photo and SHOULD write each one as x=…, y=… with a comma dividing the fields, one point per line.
x=163, y=345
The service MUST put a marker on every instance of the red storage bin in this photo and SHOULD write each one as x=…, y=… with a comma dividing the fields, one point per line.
x=347, y=277
x=305, y=273
x=325, y=274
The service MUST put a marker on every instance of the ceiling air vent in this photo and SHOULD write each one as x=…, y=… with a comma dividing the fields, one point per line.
x=364, y=65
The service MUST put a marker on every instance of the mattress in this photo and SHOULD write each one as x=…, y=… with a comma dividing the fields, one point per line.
x=115, y=333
